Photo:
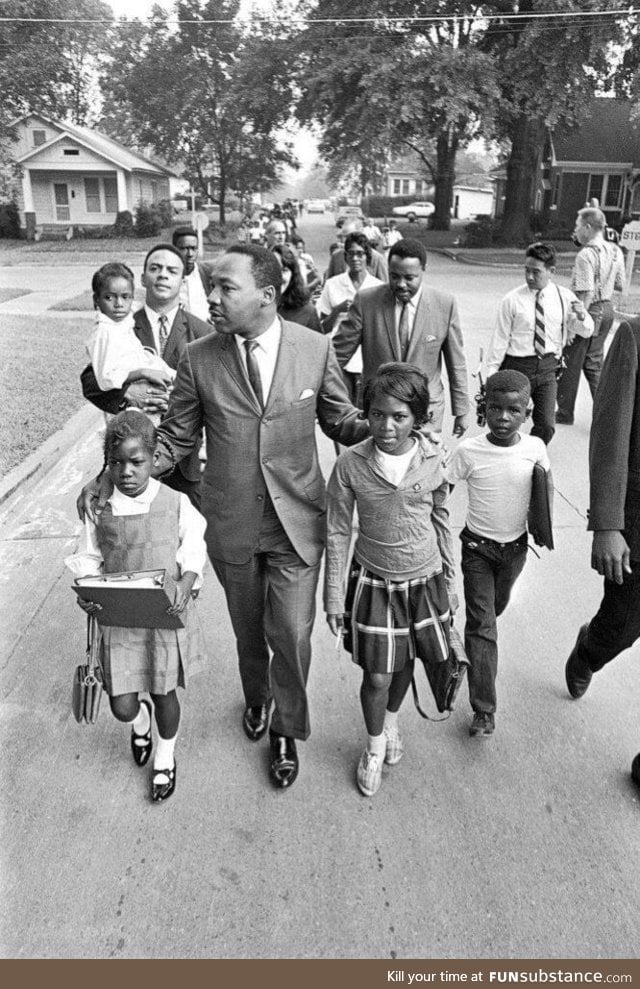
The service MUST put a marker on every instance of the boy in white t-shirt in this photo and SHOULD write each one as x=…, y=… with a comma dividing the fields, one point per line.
x=498, y=469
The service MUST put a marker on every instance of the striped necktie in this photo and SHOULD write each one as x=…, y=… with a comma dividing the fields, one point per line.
x=539, y=336
x=163, y=332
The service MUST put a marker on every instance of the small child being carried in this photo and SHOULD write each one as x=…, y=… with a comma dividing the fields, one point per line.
x=116, y=354
x=399, y=592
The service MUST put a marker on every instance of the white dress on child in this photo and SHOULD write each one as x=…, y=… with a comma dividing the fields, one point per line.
x=115, y=351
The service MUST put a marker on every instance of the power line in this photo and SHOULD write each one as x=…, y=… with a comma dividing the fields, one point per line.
x=311, y=21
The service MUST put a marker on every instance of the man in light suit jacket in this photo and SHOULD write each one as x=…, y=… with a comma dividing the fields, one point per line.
x=162, y=278
x=257, y=386
x=407, y=321
x=614, y=515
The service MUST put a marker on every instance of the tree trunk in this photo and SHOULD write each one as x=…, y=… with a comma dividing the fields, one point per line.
x=222, y=193
x=446, y=149
x=527, y=139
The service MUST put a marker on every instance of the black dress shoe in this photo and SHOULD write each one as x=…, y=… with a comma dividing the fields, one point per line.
x=255, y=721
x=141, y=745
x=284, y=760
x=163, y=783
x=635, y=769
x=577, y=672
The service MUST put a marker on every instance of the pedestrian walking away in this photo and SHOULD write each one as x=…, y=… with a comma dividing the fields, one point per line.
x=614, y=515
x=398, y=598
x=498, y=469
x=146, y=526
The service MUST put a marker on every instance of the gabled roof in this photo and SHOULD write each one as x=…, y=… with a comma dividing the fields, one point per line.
x=605, y=134
x=102, y=145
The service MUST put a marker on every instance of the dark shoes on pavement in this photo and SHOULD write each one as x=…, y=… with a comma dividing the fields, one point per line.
x=163, y=783
x=141, y=745
x=483, y=723
x=255, y=721
x=577, y=672
x=284, y=766
x=635, y=769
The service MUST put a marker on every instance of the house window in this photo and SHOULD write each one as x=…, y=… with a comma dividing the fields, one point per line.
x=71, y=152
x=154, y=192
x=405, y=187
x=39, y=137
x=614, y=187
x=92, y=195
x=396, y=187
x=594, y=191
x=110, y=196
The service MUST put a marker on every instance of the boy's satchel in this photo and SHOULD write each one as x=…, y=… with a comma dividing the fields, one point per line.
x=445, y=677
x=86, y=692
x=540, y=515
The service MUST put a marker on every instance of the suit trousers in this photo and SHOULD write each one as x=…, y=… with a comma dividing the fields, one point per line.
x=541, y=372
x=586, y=355
x=272, y=605
x=490, y=570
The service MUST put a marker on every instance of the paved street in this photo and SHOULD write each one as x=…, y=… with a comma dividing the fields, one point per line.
x=525, y=845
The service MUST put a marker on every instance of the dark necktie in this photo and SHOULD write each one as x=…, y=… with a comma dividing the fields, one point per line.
x=253, y=370
x=539, y=336
x=403, y=331
x=163, y=332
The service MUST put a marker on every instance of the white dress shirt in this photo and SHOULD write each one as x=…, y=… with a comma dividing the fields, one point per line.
x=193, y=296
x=191, y=552
x=515, y=325
x=266, y=354
x=154, y=322
x=338, y=289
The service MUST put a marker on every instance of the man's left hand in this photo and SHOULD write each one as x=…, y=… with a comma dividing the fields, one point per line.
x=460, y=425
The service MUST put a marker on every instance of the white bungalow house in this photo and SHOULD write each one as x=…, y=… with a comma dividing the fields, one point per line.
x=75, y=176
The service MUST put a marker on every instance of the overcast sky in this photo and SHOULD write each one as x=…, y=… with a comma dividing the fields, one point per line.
x=141, y=8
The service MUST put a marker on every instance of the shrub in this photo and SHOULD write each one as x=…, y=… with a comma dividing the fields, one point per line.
x=9, y=220
x=123, y=227
x=480, y=232
x=148, y=221
x=165, y=210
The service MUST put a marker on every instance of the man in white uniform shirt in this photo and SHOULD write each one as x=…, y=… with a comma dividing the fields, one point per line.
x=195, y=284
x=535, y=323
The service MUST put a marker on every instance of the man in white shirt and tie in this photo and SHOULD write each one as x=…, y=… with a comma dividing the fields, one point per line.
x=535, y=323
x=195, y=284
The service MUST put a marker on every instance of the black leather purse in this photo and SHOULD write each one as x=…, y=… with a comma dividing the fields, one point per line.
x=445, y=678
x=86, y=690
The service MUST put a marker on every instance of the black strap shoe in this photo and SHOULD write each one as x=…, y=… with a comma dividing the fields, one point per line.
x=577, y=672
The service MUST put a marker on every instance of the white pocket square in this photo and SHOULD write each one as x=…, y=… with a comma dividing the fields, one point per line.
x=430, y=339
x=307, y=393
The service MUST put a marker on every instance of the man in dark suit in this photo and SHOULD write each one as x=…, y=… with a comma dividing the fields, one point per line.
x=614, y=514
x=407, y=321
x=195, y=284
x=162, y=278
x=257, y=386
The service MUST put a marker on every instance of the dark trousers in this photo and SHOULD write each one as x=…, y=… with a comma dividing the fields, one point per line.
x=489, y=570
x=272, y=605
x=585, y=355
x=541, y=372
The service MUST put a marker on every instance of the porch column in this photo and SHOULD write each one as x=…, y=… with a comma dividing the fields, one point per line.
x=122, y=191
x=27, y=194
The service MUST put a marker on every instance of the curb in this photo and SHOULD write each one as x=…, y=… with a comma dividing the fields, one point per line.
x=26, y=474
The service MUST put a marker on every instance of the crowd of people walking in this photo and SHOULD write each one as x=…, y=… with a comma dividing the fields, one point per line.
x=213, y=390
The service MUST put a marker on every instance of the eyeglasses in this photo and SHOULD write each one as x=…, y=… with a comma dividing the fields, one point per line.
x=356, y=254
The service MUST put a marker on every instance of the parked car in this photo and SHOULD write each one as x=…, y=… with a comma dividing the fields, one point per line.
x=414, y=211
x=315, y=206
x=348, y=213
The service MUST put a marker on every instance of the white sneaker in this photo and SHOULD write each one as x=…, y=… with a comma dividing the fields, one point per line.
x=369, y=773
x=395, y=746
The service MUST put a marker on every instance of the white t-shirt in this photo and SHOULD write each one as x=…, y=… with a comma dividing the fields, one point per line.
x=393, y=468
x=498, y=483
x=114, y=351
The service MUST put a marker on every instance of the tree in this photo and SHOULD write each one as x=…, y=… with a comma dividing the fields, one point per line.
x=208, y=95
x=548, y=71
x=397, y=83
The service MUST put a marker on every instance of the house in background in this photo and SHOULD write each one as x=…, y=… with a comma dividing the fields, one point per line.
x=472, y=193
x=75, y=176
x=599, y=158
x=405, y=177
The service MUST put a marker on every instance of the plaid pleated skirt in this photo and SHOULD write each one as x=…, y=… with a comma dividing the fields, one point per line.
x=388, y=623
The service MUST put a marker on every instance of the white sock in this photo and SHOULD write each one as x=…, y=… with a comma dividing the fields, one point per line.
x=377, y=744
x=164, y=753
x=390, y=719
x=142, y=722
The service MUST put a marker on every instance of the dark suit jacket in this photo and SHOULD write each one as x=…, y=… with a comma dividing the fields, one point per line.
x=614, y=445
x=436, y=334
x=184, y=330
x=251, y=452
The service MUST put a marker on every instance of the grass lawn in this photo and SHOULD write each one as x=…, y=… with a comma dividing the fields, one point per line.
x=40, y=363
x=6, y=294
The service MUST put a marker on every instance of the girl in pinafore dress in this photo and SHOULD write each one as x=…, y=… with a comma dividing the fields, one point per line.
x=146, y=526
x=398, y=599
